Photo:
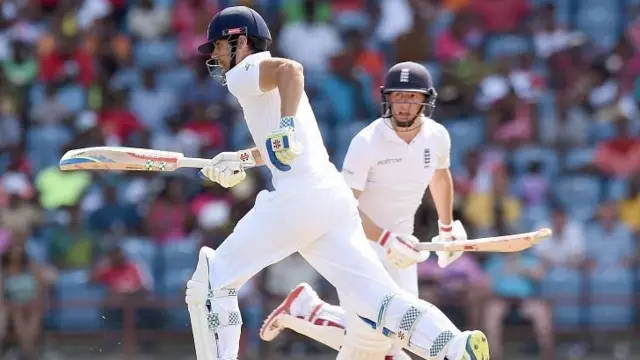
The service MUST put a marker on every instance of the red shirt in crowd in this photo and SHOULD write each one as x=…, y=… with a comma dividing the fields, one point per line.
x=119, y=123
x=501, y=16
x=619, y=156
x=124, y=279
x=54, y=65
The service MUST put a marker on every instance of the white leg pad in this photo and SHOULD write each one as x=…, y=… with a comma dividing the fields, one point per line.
x=215, y=316
x=361, y=342
x=416, y=325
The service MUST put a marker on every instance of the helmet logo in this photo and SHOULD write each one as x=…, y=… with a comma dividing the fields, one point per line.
x=404, y=75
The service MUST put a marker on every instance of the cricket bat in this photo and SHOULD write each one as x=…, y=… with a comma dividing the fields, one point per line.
x=506, y=243
x=127, y=159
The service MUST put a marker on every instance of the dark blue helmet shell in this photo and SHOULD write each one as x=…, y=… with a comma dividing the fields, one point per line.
x=236, y=21
x=411, y=77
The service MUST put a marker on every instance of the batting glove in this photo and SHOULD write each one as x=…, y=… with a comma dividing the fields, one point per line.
x=400, y=249
x=282, y=146
x=227, y=168
x=451, y=232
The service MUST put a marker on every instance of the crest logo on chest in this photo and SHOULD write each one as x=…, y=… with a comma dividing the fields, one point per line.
x=427, y=158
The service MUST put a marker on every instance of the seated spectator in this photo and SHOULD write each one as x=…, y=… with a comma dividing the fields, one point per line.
x=74, y=245
x=21, y=68
x=416, y=44
x=514, y=277
x=115, y=120
x=51, y=110
x=629, y=207
x=25, y=286
x=68, y=63
x=619, y=156
x=293, y=41
x=151, y=104
x=609, y=243
x=185, y=13
x=177, y=138
x=495, y=211
x=463, y=283
x=549, y=37
x=534, y=186
x=191, y=38
x=367, y=59
x=168, y=215
x=21, y=215
x=113, y=216
x=511, y=120
x=565, y=248
x=205, y=124
x=148, y=21
x=451, y=45
x=502, y=16
x=128, y=285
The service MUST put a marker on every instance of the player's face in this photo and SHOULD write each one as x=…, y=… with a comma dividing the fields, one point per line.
x=405, y=106
x=222, y=54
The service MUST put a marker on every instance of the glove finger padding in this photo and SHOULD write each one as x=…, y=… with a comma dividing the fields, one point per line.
x=225, y=177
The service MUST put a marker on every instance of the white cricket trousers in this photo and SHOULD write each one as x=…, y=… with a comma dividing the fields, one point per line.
x=324, y=226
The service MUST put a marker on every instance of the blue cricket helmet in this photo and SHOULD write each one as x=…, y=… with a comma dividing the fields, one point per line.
x=408, y=77
x=234, y=21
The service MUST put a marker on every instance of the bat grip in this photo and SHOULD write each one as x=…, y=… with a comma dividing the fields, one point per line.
x=193, y=162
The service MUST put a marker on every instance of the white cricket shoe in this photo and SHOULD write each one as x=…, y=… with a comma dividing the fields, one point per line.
x=302, y=302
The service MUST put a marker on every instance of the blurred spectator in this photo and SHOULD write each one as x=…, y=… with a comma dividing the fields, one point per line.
x=177, y=138
x=629, y=207
x=514, y=277
x=495, y=211
x=51, y=110
x=566, y=248
x=149, y=21
x=549, y=37
x=115, y=120
x=186, y=13
x=57, y=188
x=20, y=216
x=396, y=18
x=10, y=129
x=190, y=38
x=619, y=156
x=151, y=103
x=205, y=125
x=168, y=215
x=21, y=68
x=68, y=63
x=502, y=16
x=128, y=284
x=451, y=44
x=534, y=186
x=25, y=286
x=462, y=283
x=416, y=44
x=367, y=59
x=511, y=120
x=114, y=216
x=310, y=41
x=609, y=244
x=203, y=90
x=74, y=244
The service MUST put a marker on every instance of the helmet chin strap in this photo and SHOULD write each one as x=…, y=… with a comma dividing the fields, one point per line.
x=407, y=125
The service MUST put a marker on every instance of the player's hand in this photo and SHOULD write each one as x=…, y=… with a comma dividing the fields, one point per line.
x=452, y=232
x=227, y=168
x=400, y=250
x=282, y=146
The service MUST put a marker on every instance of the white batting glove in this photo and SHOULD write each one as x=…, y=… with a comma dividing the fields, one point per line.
x=451, y=232
x=227, y=168
x=400, y=249
x=282, y=146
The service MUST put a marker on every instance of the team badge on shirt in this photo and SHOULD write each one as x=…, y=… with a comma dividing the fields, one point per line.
x=427, y=158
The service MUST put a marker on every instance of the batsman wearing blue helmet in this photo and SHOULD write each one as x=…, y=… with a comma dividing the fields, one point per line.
x=389, y=166
x=311, y=211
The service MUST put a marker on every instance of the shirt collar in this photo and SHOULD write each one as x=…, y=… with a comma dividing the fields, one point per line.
x=390, y=133
x=250, y=59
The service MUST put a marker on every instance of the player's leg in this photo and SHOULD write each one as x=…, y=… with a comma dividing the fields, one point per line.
x=264, y=236
x=344, y=257
x=407, y=279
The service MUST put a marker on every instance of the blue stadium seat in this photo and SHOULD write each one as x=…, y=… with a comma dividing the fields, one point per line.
x=534, y=215
x=176, y=78
x=602, y=130
x=155, y=53
x=563, y=287
x=436, y=71
x=579, y=195
x=506, y=45
x=600, y=20
x=466, y=134
x=616, y=189
x=142, y=251
x=37, y=251
x=525, y=156
x=576, y=158
x=548, y=117
x=178, y=254
x=611, y=293
x=173, y=288
x=74, y=97
x=44, y=145
x=73, y=286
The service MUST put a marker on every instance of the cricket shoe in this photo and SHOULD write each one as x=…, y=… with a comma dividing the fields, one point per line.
x=477, y=347
x=302, y=302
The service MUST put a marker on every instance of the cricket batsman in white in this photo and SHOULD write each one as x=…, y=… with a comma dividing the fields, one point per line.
x=388, y=166
x=311, y=211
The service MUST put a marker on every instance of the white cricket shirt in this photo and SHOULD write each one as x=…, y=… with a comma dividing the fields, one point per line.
x=392, y=174
x=262, y=114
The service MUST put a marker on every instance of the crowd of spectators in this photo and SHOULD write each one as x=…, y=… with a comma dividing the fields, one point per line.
x=540, y=97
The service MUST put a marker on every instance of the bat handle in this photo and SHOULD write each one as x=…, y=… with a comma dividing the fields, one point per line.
x=193, y=162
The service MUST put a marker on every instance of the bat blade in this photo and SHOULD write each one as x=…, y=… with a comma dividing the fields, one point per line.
x=506, y=243
x=120, y=158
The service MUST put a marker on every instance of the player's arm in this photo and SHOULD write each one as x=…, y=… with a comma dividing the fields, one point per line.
x=372, y=230
x=441, y=188
x=287, y=76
